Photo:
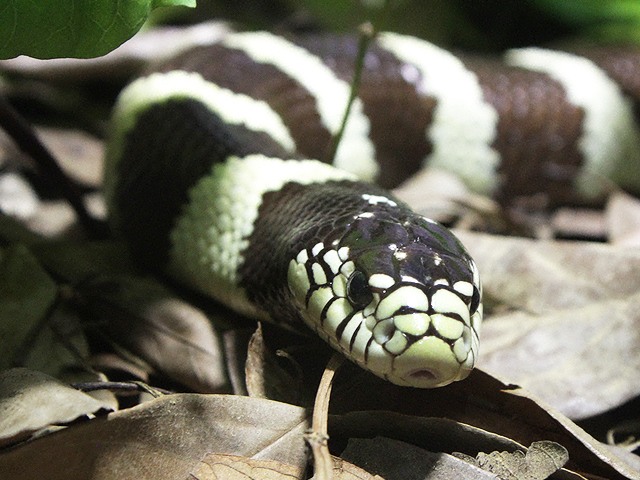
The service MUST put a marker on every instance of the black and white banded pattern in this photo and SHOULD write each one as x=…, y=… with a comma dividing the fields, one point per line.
x=215, y=175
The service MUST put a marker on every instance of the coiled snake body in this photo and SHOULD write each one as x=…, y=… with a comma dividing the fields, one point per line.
x=210, y=176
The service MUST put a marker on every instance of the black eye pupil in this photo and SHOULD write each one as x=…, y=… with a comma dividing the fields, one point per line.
x=358, y=291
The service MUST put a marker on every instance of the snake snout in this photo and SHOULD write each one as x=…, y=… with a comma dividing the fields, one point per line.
x=429, y=363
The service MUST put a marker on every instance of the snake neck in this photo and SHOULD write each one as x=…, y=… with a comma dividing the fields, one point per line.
x=290, y=220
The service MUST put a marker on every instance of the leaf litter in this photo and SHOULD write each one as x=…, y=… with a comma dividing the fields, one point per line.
x=565, y=289
x=560, y=309
x=561, y=322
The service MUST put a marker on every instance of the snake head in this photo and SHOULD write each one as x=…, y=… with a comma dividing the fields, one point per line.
x=395, y=292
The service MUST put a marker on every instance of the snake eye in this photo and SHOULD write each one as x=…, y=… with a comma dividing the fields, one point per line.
x=475, y=301
x=358, y=291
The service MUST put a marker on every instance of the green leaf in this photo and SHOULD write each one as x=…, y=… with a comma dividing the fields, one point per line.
x=72, y=28
x=611, y=20
x=585, y=12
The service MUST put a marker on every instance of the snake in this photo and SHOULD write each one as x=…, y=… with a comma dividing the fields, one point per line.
x=217, y=173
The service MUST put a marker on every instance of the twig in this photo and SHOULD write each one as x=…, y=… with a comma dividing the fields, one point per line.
x=25, y=138
x=318, y=436
x=367, y=33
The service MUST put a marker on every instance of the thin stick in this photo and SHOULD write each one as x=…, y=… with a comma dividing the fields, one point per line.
x=318, y=436
x=367, y=33
x=25, y=138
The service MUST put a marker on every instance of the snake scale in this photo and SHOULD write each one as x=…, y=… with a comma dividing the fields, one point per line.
x=212, y=176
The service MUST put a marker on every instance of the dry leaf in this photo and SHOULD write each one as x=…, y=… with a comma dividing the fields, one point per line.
x=543, y=276
x=58, y=345
x=446, y=192
x=17, y=197
x=164, y=439
x=623, y=219
x=540, y=461
x=265, y=378
x=57, y=219
x=27, y=294
x=578, y=223
x=568, y=306
x=170, y=334
x=395, y=460
x=343, y=470
x=30, y=401
x=559, y=355
x=231, y=467
x=80, y=154
x=480, y=414
x=235, y=343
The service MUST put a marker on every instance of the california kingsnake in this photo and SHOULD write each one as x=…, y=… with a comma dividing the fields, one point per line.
x=206, y=178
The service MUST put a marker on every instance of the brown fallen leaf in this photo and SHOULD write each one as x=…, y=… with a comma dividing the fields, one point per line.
x=446, y=192
x=265, y=377
x=578, y=223
x=58, y=346
x=317, y=437
x=623, y=219
x=80, y=154
x=396, y=460
x=540, y=461
x=31, y=401
x=165, y=438
x=232, y=467
x=559, y=355
x=479, y=414
x=555, y=310
x=542, y=276
x=234, y=342
x=54, y=219
x=167, y=332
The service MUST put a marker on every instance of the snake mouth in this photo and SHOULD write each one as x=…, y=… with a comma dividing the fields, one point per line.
x=430, y=378
x=425, y=378
x=422, y=376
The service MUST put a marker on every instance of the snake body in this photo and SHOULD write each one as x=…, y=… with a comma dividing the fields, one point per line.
x=211, y=177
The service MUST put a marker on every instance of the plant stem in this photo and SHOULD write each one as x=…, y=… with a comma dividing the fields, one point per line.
x=367, y=33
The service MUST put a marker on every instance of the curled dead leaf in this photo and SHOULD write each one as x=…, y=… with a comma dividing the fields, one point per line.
x=264, y=374
x=540, y=461
x=31, y=401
